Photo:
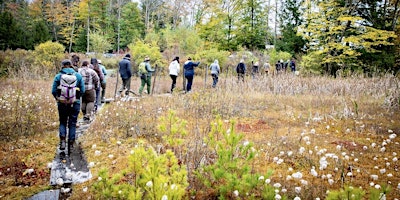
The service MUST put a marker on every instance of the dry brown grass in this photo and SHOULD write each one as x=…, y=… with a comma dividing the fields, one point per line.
x=278, y=114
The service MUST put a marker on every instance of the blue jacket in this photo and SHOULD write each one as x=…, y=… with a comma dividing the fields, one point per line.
x=80, y=83
x=189, y=67
x=125, y=68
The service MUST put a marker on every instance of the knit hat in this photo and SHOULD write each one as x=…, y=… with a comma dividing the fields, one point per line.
x=66, y=62
x=147, y=58
x=128, y=55
x=99, y=61
x=176, y=58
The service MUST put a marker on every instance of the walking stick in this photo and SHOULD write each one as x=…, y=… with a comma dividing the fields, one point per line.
x=116, y=85
x=154, y=80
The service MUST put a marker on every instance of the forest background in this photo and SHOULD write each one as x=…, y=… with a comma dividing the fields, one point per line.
x=324, y=36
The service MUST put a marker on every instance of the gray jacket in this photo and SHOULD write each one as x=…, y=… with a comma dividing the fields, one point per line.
x=214, y=67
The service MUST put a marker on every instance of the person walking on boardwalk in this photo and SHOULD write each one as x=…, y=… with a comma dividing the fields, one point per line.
x=255, y=70
x=92, y=83
x=215, y=69
x=189, y=72
x=126, y=74
x=174, y=69
x=145, y=72
x=241, y=70
x=67, y=89
x=103, y=83
x=95, y=66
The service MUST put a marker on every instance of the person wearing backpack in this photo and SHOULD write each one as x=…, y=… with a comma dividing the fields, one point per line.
x=145, y=72
x=189, y=72
x=68, y=86
x=241, y=70
x=92, y=83
x=215, y=69
x=95, y=66
x=125, y=73
x=174, y=69
x=104, y=83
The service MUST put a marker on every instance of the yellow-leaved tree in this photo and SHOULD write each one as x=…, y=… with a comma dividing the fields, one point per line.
x=338, y=35
x=48, y=57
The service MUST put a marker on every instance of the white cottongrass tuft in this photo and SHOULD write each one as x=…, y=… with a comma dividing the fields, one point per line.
x=277, y=185
x=394, y=159
x=372, y=184
x=164, y=197
x=110, y=156
x=303, y=182
x=392, y=136
x=365, y=148
x=236, y=193
x=85, y=189
x=297, y=198
x=149, y=184
x=278, y=197
x=245, y=143
x=267, y=181
x=97, y=153
x=302, y=150
x=382, y=171
x=94, y=146
x=377, y=186
x=297, y=190
x=261, y=178
x=331, y=181
x=374, y=177
x=389, y=175
x=297, y=175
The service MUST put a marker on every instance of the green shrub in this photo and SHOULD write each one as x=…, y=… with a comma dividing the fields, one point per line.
x=232, y=170
x=311, y=63
x=139, y=50
x=148, y=176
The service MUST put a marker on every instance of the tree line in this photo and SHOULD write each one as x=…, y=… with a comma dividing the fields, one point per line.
x=326, y=36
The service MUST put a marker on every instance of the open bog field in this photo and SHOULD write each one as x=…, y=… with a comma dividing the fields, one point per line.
x=307, y=137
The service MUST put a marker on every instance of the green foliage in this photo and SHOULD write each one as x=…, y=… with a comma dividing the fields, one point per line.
x=49, y=55
x=132, y=26
x=148, y=176
x=274, y=56
x=208, y=56
x=173, y=129
x=18, y=63
x=99, y=43
x=379, y=194
x=311, y=63
x=139, y=50
x=348, y=193
x=232, y=169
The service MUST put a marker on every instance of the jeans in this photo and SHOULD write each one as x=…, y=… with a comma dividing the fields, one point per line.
x=215, y=80
x=97, y=101
x=68, y=116
x=189, y=83
x=88, y=101
x=145, y=81
x=173, y=77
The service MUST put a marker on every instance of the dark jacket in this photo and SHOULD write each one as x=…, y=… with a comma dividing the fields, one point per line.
x=125, y=68
x=241, y=68
x=80, y=83
x=189, y=67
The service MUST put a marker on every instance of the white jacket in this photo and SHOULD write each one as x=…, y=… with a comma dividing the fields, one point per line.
x=174, y=68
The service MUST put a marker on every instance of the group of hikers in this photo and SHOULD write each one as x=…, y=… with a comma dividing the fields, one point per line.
x=78, y=88
x=83, y=87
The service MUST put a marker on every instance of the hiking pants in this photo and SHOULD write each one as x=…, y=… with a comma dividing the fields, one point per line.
x=126, y=84
x=88, y=100
x=240, y=77
x=68, y=116
x=103, y=91
x=145, y=81
x=173, y=77
x=189, y=83
x=215, y=80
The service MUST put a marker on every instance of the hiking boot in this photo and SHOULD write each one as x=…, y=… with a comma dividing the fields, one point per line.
x=62, y=143
x=70, y=145
x=103, y=100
